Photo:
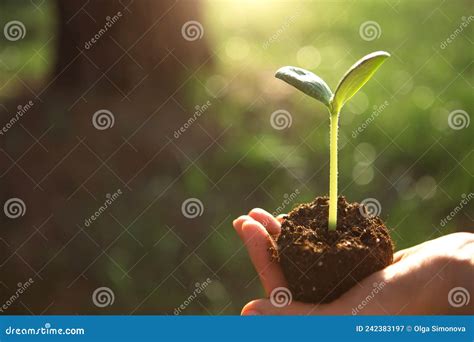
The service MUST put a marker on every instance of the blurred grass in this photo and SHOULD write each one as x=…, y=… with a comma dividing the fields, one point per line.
x=29, y=60
x=421, y=166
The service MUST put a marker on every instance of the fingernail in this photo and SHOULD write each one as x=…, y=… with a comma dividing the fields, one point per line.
x=237, y=220
x=251, y=313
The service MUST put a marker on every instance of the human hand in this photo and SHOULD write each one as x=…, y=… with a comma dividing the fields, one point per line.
x=421, y=280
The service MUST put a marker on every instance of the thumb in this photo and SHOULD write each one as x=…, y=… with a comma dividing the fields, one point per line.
x=269, y=307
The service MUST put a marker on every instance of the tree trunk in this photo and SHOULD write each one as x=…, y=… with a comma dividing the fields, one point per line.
x=140, y=43
x=137, y=69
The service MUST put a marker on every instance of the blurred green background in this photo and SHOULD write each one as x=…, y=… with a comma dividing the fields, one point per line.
x=231, y=158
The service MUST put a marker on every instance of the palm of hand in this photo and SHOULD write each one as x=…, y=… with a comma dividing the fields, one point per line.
x=418, y=282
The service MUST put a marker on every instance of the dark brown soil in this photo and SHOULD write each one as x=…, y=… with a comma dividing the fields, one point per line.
x=320, y=265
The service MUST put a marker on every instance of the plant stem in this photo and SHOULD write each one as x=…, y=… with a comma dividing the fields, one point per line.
x=334, y=126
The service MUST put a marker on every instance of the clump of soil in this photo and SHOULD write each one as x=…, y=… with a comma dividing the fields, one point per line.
x=319, y=264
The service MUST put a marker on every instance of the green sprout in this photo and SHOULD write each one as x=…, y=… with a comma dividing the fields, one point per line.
x=348, y=86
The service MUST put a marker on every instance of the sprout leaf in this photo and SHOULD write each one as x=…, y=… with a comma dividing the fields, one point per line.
x=356, y=77
x=307, y=82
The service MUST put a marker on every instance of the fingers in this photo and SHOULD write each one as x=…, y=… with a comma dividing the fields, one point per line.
x=272, y=224
x=398, y=255
x=267, y=220
x=280, y=217
x=405, y=252
x=238, y=224
x=266, y=307
x=258, y=241
x=355, y=301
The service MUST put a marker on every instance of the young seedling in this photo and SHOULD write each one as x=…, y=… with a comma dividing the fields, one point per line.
x=348, y=86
